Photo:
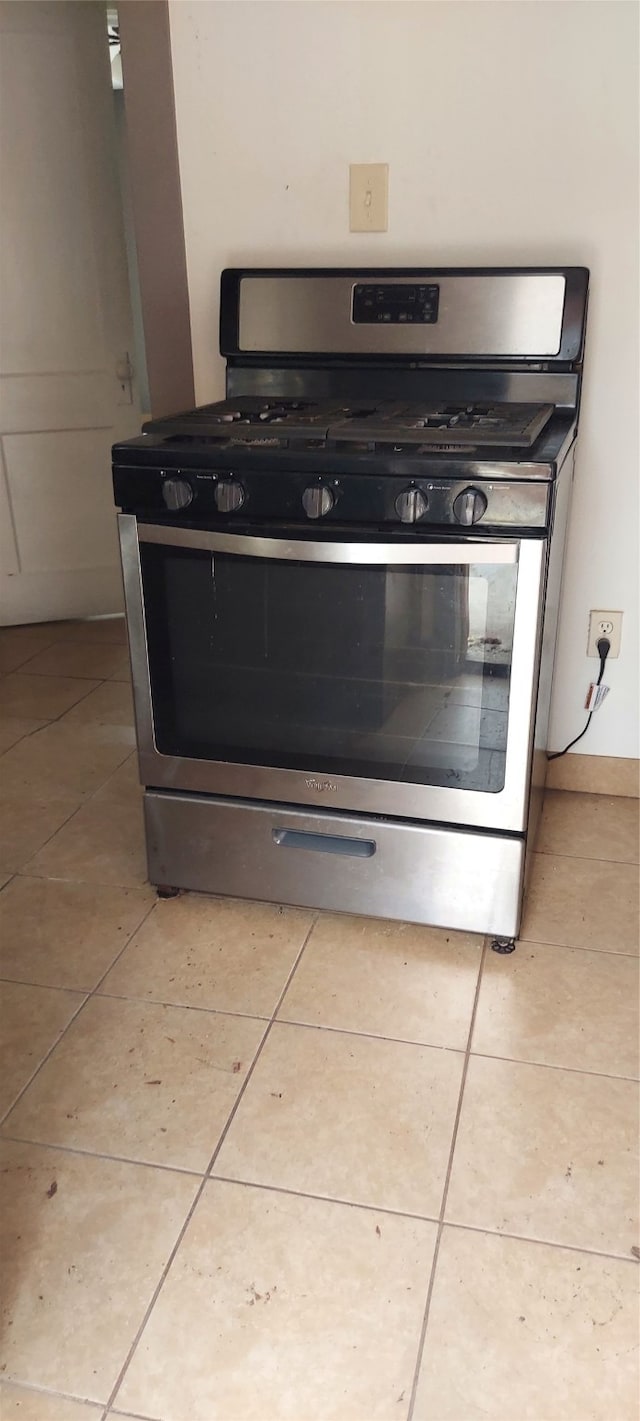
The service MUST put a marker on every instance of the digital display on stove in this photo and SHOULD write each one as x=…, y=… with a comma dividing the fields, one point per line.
x=395, y=304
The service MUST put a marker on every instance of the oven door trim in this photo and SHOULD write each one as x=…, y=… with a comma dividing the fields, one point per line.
x=504, y=810
x=303, y=550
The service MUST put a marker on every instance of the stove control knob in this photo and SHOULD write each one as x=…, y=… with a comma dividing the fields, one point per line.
x=411, y=505
x=177, y=494
x=469, y=506
x=317, y=501
x=229, y=496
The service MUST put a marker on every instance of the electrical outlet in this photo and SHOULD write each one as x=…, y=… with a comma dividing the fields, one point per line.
x=607, y=624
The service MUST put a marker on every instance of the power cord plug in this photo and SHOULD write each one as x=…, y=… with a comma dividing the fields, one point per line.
x=604, y=647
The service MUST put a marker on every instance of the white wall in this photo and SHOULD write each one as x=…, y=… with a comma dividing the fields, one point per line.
x=512, y=137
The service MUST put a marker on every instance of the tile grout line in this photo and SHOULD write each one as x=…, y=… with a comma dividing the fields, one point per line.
x=183, y=1006
x=19, y=872
x=445, y=1191
x=53, y=719
x=57, y=640
x=101, y=1155
x=60, y=718
x=23, y=669
x=144, y=1001
x=340, y=1202
x=545, y=1242
x=95, y=991
x=130, y=887
x=453, y=1050
x=552, y=1066
x=43, y=986
x=56, y=720
x=20, y=668
x=578, y=947
x=146, y=1164
x=41, y=1390
x=205, y=1179
x=58, y=675
x=369, y=1035
x=324, y=1198
x=42, y=1063
x=88, y=997
x=274, y=1019
x=136, y=1415
x=257, y=1016
x=26, y=871
x=272, y=1023
x=421, y=1218
x=582, y=858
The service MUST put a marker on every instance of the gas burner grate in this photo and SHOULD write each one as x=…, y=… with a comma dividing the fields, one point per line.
x=516, y=425
x=376, y=427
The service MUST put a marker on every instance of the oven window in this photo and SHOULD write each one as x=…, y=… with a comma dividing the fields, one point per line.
x=394, y=673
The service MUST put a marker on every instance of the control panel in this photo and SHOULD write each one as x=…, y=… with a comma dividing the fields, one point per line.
x=365, y=500
x=395, y=303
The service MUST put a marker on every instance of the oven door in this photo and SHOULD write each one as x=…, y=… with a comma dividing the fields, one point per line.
x=395, y=678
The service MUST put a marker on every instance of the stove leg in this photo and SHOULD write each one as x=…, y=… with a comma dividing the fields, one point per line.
x=503, y=945
x=164, y=890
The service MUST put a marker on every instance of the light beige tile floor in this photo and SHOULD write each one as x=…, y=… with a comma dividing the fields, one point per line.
x=268, y=1165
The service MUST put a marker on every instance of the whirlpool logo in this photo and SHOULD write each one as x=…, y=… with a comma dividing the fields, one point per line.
x=322, y=786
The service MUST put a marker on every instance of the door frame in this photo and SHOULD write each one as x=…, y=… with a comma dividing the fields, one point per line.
x=152, y=144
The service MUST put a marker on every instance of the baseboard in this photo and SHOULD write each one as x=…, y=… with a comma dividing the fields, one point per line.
x=595, y=774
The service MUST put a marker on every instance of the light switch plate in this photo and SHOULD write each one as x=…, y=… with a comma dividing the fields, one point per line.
x=368, y=197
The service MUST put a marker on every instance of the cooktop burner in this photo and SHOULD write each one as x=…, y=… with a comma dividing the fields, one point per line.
x=279, y=422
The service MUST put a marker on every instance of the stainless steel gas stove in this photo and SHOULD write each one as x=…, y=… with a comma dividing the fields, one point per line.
x=342, y=587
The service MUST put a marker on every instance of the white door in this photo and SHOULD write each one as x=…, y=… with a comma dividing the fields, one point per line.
x=65, y=314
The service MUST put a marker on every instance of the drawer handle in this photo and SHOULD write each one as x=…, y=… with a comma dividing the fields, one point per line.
x=324, y=843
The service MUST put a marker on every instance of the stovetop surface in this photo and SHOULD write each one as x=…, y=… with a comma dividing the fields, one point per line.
x=398, y=402
x=387, y=426
x=294, y=465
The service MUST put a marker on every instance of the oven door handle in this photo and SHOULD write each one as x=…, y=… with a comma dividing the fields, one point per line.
x=300, y=550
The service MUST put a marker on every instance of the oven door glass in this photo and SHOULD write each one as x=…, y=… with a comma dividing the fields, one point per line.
x=387, y=671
